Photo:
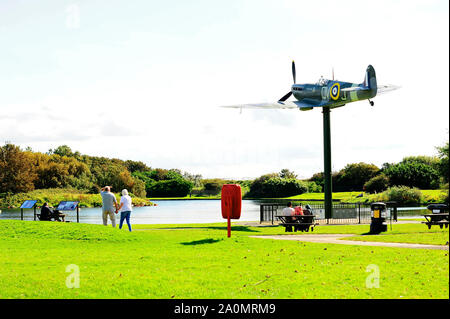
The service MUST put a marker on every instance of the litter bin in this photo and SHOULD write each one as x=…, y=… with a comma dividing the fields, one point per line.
x=378, y=214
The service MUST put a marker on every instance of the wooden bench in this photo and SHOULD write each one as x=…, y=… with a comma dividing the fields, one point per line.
x=298, y=222
x=50, y=218
x=45, y=219
x=440, y=219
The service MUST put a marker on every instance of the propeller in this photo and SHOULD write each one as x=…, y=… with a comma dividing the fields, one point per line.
x=284, y=98
x=293, y=70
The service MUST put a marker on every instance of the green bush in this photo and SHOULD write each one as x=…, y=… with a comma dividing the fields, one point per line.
x=313, y=187
x=170, y=188
x=404, y=195
x=267, y=186
x=412, y=174
x=377, y=184
x=213, y=186
x=443, y=165
x=353, y=177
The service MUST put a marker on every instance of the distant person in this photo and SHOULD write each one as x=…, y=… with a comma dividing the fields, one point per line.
x=288, y=211
x=47, y=213
x=125, y=209
x=109, y=206
x=307, y=210
x=299, y=210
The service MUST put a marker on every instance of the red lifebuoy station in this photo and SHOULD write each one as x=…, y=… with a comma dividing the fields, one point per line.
x=231, y=200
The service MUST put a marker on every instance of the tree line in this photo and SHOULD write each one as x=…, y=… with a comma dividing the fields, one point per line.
x=423, y=172
x=25, y=170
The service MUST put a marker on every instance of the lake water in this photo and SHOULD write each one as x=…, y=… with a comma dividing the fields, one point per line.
x=166, y=212
x=181, y=212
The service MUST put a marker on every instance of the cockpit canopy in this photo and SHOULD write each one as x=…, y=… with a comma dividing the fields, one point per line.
x=322, y=81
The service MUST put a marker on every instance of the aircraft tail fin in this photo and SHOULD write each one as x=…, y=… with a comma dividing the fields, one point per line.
x=370, y=80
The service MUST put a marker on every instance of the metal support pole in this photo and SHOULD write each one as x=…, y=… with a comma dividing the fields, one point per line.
x=21, y=214
x=327, y=163
x=359, y=213
x=261, y=213
x=34, y=209
x=78, y=213
x=272, y=213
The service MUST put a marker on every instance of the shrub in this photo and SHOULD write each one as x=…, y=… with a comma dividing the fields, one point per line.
x=377, y=184
x=353, y=177
x=404, y=195
x=413, y=174
x=313, y=187
x=267, y=186
x=170, y=188
x=443, y=165
x=213, y=186
x=318, y=178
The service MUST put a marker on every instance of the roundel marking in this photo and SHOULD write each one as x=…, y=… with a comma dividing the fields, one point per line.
x=335, y=90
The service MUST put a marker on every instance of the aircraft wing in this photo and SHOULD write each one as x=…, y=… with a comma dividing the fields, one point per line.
x=278, y=105
x=386, y=88
x=355, y=88
x=268, y=106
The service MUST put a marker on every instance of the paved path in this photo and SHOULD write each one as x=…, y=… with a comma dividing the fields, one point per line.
x=335, y=239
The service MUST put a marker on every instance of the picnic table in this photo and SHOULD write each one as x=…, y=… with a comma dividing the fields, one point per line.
x=298, y=222
x=439, y=215
x=440, y=219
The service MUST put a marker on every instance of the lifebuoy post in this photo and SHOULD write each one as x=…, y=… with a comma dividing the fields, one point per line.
x=231, y=202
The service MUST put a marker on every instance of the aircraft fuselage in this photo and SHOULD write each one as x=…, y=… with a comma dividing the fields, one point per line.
x=330, y=93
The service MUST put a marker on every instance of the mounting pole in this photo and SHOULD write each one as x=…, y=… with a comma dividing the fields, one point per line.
x=327, y=163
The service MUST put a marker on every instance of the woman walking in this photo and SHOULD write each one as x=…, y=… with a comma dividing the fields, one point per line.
x=125, y=208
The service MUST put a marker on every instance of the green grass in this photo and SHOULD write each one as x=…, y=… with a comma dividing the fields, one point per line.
x=428, y=196
x=409, y=233
x=199, y=261
x=320, y=196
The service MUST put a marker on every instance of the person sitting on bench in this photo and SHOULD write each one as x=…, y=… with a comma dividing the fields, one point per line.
x=47, y=213
x=289, y=211
x=307, y=210
x=299, y=210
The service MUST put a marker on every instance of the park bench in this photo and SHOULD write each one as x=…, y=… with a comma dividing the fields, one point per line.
x=439, y=216
x=298, y=222
x=49, y=218
x=53, y=217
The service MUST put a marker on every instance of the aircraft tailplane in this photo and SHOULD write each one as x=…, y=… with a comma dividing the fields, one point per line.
x=370, y=80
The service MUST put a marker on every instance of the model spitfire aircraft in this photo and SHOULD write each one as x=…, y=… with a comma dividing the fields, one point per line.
x=326, y=93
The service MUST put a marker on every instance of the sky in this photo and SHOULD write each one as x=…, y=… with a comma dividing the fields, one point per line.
x=144, y=80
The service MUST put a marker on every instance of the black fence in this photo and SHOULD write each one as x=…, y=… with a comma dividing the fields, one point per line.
x=343, y=213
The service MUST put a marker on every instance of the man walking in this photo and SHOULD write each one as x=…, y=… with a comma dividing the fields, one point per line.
x=109, y=207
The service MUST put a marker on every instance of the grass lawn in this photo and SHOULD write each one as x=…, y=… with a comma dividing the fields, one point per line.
x=430, y=195
x=199, y=261
x=409, y=233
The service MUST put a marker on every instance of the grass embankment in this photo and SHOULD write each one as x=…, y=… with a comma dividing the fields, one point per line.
x=199, y=261
x=428, y=196
x=55, y=195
